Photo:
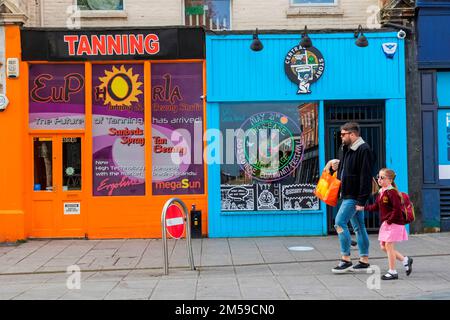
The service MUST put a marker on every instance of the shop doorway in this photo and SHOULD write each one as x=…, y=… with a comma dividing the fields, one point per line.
x=370, y=116
x=57, y=186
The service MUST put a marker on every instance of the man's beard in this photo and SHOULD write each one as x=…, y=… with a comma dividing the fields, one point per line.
x=346, y=143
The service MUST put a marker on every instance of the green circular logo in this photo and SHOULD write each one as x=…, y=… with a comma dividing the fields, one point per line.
x=269, y=146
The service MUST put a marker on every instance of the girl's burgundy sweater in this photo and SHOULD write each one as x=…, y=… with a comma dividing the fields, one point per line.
x=389, y=205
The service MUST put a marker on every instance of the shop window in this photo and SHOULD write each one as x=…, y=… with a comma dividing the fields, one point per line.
x=313, y=2
x=177, y=128
x=43, y=164
x=56, y=96
x=270, y=157
x=118, y=130
x=71, y=170
x=100, y=4
x=212, y=14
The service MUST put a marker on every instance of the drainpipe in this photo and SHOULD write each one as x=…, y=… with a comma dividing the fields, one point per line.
x=41, y=6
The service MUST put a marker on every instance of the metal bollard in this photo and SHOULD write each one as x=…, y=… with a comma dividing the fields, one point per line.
x=187, y=230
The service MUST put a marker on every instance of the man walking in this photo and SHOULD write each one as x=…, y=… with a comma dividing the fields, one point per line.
x=354, y=169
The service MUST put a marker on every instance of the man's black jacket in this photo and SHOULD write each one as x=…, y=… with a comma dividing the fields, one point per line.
x=355, y=172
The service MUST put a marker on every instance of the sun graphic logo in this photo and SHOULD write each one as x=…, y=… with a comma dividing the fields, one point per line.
x=119, y=87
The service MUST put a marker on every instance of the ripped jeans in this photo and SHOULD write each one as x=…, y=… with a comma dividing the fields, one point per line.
x=347, y=212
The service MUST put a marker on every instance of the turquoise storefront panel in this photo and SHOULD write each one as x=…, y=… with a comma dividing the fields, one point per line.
x=444, y=143
x=237, y=74
x=443, y=88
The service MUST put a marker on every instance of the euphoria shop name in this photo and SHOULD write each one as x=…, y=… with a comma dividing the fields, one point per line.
x=125, y=44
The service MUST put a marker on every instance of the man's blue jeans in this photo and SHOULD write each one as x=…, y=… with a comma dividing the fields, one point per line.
x=347, y=212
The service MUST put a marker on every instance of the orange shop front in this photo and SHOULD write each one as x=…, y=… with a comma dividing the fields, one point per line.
x=111, y=126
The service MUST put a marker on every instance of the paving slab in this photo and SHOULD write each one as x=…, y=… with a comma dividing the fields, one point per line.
x=226, y=268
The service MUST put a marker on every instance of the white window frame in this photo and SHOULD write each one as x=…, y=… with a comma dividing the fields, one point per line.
x=334, y=4
x=75, y=3
x=183, y=15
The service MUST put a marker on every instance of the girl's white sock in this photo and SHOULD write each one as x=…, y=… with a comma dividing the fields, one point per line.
x=405, y=262
x=392, y=271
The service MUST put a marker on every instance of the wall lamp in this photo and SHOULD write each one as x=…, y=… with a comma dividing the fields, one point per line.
x=362, y=40
x=306, y=40
x=256, y=43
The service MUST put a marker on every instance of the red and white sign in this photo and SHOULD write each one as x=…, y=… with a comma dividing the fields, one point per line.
x=175, y=221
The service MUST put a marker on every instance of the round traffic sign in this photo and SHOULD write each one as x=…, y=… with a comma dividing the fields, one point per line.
x=175, y=221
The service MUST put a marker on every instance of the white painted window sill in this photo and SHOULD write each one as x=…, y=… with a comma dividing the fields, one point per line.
x=103, y=14
x=295, y=12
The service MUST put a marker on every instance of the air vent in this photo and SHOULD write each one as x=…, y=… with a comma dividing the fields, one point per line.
x=445, y=209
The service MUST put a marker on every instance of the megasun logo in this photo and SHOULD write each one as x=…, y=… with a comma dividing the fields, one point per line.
x=120, y=44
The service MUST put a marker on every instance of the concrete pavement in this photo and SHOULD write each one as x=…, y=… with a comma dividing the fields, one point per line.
x=226, y=269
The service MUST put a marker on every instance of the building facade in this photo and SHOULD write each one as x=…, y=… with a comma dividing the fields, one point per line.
x=434, y=64
x=214, y=14
x=306, y=94
x=103, y=87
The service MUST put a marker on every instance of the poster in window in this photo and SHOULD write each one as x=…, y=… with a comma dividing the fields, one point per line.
x=268, y=196
x=118, y=130
x=298, y=197
x=56, y=96
x=237, y=198
x=177, y=128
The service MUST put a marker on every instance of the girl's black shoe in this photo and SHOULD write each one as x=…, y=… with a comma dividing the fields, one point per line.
x=390, y=276
x=409, y=265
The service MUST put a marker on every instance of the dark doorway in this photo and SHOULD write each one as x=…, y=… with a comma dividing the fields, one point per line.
x=370, y=116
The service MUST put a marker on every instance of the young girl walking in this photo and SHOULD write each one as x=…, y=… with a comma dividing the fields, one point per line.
x=388, y=204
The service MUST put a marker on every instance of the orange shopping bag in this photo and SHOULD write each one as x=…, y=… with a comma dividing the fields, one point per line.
x=327, y=188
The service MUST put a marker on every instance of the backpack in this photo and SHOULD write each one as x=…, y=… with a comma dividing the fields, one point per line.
x=407, y=208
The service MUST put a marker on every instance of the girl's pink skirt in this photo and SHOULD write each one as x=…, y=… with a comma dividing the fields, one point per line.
x=392, y=232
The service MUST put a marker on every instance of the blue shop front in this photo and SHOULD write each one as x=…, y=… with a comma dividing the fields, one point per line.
x=433, y=20
x=304, y=95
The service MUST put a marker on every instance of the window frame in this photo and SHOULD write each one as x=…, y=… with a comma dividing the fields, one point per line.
x=183, y=13
x=334, y=4
x=75, y=3
x=282, y=182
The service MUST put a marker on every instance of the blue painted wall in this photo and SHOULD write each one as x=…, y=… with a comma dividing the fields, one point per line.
x=237, y=74
x=434, y=37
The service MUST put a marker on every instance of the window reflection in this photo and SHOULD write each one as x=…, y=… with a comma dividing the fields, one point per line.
x=43, y=164
x=212, y=14
x=71, y=164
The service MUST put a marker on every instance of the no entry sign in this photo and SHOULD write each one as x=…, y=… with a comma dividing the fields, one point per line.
x=175, y=221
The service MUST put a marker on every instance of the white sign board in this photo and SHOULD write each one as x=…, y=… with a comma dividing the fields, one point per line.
x=72, y=208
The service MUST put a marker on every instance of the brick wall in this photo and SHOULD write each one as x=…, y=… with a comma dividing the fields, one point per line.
x=137, y=13
x=246, y=14
x=348, y=14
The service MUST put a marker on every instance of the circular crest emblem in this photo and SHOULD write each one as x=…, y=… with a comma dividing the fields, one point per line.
x=269, y=146
x=304, y=66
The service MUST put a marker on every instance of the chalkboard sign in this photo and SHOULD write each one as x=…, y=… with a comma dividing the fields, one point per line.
x=299, y=197
x=268, y=196
x=237, y=198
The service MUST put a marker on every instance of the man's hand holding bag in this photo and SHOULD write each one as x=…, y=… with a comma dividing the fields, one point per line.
x=327, y=188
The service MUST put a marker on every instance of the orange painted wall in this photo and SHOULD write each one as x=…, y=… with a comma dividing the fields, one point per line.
x=12, y=175
x=103, y=217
